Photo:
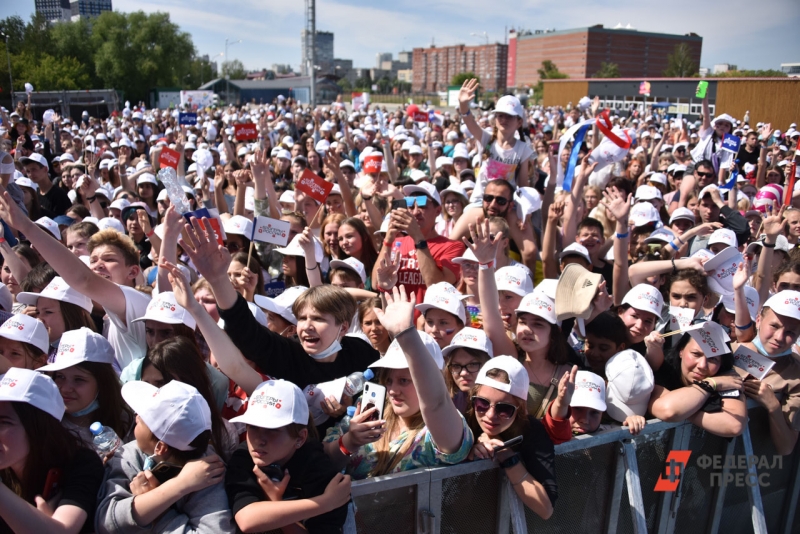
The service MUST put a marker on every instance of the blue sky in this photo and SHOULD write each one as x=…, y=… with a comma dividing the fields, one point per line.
x=752, y=35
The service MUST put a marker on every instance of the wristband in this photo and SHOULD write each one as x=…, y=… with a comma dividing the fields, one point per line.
x=316, y=265
x=623, y=236
x=365, y=198
x=510, y=462
x=681, y=240
x=343, y=448
x=675, y=247
x=387, y=244
x=466, y=113
x=2, y=239
x=705, y=386
x=768, y=245
x=745, y=327
x=520, y=481
x=91, y=199
x=150, y=233
x=486, y=266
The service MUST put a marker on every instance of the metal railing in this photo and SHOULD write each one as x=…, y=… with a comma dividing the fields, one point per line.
x=597, y=475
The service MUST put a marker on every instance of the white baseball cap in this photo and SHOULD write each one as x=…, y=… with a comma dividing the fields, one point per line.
x=468, y=255
x=294, y=249
x=59, y=290
x=26, y=329
x=785, y=303
x=164, y=308
x=644, y=213
x=470, y=338
x=415, y=149
x=50, y=225
x=34, y=388
x=657, y=177
x=663, y=235
x=353, y=264
x=35, y=157
x=517, y=375
x=630, y=383
x=647, y=192
x=682, y=213
x=724, y=236
x=175, y=413
x=509, y=105
x=81, y=345
x=750, y=295
x=239, y=225
x=426, y=188
x=539, y=304
x=575, y=249
x=282, y=304
x=275, y=404
x=514, y=278
x=122, y=203
x=110, y=222
x=645, y=297
x=590, y=391
x=443, y=296
x=395, y=358
x=24, y=181
x=146, y=178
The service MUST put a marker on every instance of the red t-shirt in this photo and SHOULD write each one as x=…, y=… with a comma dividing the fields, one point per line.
x=443, y=251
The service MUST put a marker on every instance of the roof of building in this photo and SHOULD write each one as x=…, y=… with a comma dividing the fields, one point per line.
x=598, y=28
x=279, y=83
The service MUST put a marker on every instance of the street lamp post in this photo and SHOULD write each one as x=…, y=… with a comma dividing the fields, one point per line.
x=10, y=78
x=227, y=76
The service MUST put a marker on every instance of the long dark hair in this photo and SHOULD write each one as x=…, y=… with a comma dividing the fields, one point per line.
x=368, y=253
x=673, y=357
x=113, y=411
x=75, y=317
x=300, y=277
x=51, y=445
x=178, y=358
x=255, y=268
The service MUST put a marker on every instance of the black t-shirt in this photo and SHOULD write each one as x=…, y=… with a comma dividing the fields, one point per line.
x=80, y=482
x=668, y=376
x=537, y=453
x=310, y=470
x=281, y=357
x=607, y=270
x=55, y=201
x=747, y=157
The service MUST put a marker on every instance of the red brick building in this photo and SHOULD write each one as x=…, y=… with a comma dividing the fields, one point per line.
x=434, y=67
x=579, y=52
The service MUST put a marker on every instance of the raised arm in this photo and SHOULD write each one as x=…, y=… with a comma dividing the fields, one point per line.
x=386, y=144
x=744, y=324
x=549, y=245
x=619, y=206
x=173, y=224
x=66, y=264
x=486, y=250
x=19, y=270
x=211, y=260
x=465, y=95
x=262, y=181
x=230, y=360
x=331, y=162
x=306, y=241
x=441, y=416
x=771, y=226
x=641, y=271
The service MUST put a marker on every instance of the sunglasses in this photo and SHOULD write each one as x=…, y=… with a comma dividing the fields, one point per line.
x=471, y=367
x=504, y=410
x=705, y=174
x=501, y=201
x=420, y=201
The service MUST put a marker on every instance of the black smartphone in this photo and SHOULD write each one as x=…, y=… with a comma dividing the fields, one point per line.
x=274, y=472
x=164, y=471
x=510, y=443
x=398, y=204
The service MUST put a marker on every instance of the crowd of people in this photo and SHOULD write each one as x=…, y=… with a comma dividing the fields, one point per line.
x=504, y=285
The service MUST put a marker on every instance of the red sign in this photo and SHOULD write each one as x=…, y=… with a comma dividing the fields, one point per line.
x=169, y=158
x=245, y=132
x=417, y=114
x=314, y=186
x=373, y=163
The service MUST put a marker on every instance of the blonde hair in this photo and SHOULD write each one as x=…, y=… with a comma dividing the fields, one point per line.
x=112, y=238
x=388, y=461
x=609, y=226
x=328, y=299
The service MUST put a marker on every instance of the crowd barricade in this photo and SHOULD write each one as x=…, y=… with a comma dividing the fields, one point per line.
x=606, y=483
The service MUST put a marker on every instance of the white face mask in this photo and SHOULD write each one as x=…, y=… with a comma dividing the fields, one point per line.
x=332, y=349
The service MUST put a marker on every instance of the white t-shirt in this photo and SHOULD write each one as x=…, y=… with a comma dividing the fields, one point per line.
x=502, y=164
x=127, y=338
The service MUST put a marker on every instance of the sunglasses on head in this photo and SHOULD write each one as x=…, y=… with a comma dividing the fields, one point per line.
x=421, y=201
x=501, y=201
x=504, y=410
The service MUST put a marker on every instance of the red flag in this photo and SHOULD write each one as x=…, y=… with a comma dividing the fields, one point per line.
x=314, y=186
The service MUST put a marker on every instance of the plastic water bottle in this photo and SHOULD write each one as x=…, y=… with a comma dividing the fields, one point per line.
x=345, y=423
x=176, y=194
x=396, y=250
x=355, y=382
x=105, y=439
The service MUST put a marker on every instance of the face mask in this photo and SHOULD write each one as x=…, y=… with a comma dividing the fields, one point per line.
x=335, y=347
x=760, y=347
x=89, y=409
x=149, y=463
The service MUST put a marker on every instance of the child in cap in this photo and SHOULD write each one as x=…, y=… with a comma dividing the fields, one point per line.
x=283, y=475
x=497, y=413
x=641, y=310
x=84, y=373
x=606, y=335
x=280, y=318
x=463, y=358
x=31, y=409
x=167, y=479
x=778, y=325
x=24, y=343
x=348, y=272
x=443, y=312
x=691, y=381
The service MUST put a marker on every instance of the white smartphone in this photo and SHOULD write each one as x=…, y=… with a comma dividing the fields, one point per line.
x=374, y=395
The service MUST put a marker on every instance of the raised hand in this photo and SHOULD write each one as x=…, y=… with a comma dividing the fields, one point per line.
x=773, y=223
x=386, y=272
x=467, y=92
x=260, y=167
x=617, y=204
x=555, y=212
x=180, y=286
x=209, y=257
x=742, y=275
x=11, y=213
x=399, y=313
x=483, y=246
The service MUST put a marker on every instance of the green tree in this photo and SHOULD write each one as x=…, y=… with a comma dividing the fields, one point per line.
x=680, y=63
x=234, y=68
x=48, y=73
x=461, y=77
x=607, y=70
x=770, y=73
x=384, y=85
x=74, y=39
x=345, y=84
x=548, y=71
x=136, y=52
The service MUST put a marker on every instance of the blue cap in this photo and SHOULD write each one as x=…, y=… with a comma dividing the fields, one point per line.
x=368, y=374
x=351, y=411
x=63, y=219
x=96, y=428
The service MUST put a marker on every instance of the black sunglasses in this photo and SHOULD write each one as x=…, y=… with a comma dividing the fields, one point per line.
x=501, y=201
x=705, y=174
x=504, y=410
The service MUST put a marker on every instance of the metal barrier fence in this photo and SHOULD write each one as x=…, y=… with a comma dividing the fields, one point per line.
x=605, y=484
